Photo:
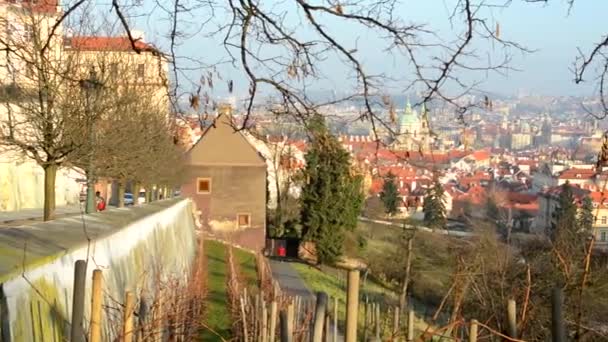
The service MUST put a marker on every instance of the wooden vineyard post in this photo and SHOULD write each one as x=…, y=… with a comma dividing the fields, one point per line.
x=378, y=322
x=264, y=330
x=410, y=325
x=127, y=329
x=511, y=319
x=557, y=320
x=273, y=321
x=96, y=303
x=335, y=332
x=320, y=309
x=286, y=333
x=366, y=320
x=352, y=303
x=80, y=280
x=473, y=331
x=328, y=321
x=396, y=322
x=290, y=321
x=295, y=307
x=244, y=319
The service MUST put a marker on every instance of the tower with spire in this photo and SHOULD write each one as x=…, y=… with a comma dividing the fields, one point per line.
x=414, y=131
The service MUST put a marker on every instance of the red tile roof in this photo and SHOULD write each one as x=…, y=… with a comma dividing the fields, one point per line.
x=481, y=155
x=92, y=43
x=575, y=173
x=38, y=6
x=476, y=195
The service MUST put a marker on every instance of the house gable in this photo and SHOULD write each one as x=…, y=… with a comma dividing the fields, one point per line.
x=222, y=144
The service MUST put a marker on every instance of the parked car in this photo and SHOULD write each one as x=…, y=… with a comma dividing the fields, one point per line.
x=141, y=198
x=128, y=198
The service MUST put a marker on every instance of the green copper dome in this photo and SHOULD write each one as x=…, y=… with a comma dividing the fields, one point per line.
x=409, y=116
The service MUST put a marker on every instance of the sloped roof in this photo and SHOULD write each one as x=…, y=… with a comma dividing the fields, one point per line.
x=94, y=43
x=39, y=6
x=576, y=173
x=222, y=145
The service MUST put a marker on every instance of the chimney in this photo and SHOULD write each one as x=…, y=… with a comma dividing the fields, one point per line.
x=413, y=185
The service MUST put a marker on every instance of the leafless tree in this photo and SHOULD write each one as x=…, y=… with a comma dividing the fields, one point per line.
x=39, y=115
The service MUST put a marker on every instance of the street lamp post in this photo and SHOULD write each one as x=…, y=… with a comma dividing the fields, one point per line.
x=90, y=87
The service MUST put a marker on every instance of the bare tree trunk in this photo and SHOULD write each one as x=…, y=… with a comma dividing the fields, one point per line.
x=406, y=279
x=148, y=194
x=135, y=188
x=279, y=210
x=50, y=175
x=121, y=193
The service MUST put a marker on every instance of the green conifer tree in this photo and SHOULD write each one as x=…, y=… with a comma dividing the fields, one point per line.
x=434, y=207
x=565, y=222
x=390, y=194
x=568, y=241
x=492, y=210
x=332, y=196
x=586, y=217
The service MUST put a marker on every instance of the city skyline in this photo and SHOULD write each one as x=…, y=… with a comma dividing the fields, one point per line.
x=553, y=30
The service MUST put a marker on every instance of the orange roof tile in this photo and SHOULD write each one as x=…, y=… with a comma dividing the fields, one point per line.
x=92, y=43
x=575, y=173
x=481, y=155
x=37, y=6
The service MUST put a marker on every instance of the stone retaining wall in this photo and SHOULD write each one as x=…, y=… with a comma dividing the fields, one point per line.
x=133, y=247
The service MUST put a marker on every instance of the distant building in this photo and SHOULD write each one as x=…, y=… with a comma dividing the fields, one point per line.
x=226, y=179
x=22, y=24
x=521, y=140
x=549, y=202
x=117, y=64
x=583, y=177
x=414, y=131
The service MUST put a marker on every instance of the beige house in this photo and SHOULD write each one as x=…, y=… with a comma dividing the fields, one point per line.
x=549, y=202
x=226, y=179
x=25, y=28
x=117, y=64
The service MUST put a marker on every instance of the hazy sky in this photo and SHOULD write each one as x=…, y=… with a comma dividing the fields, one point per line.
x=549, y=29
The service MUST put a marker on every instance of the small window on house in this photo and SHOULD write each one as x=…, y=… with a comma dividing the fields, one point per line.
x=28, y=32
x=140, y=70
x=603, y=237
x=243, y=220
x=203, y=185
x=603, y=219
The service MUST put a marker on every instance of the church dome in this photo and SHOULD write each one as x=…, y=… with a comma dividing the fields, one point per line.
x=409, y=117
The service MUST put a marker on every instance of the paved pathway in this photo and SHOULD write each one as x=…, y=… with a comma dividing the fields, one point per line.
x=289, y=279
x=12, y=217
x=456, y=233
x=291, y=283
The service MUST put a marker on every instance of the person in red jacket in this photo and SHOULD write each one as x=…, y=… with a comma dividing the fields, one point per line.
x=101, y=202
x=282, y=252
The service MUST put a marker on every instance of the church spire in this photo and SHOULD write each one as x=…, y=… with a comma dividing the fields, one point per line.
x=424, y=117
